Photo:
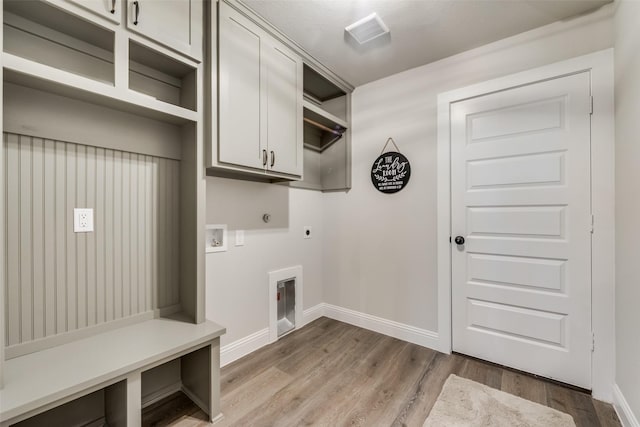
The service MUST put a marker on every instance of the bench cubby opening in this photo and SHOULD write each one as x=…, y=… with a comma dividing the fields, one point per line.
x=106, y=406
x=189, y=374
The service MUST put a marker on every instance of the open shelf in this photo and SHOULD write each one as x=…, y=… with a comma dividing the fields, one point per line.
x=319, y=87
x=326, y=118
x=327, y=147
x=46, y=35
x=322, y=103
x=321, y=129
x=29, y=73
x=161, y=77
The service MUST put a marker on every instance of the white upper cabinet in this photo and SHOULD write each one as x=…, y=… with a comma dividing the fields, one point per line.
x=284, y=109
x=260, y=99
x=110, y=9
x=239, y=80
x=176, y=24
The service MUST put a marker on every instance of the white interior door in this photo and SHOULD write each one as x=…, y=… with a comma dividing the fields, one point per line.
x=520, y=197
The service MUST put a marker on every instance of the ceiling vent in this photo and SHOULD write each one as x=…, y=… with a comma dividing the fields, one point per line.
x=367, y=28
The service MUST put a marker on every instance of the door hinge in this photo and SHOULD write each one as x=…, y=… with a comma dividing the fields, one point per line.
x=593, y=220
x=591, y=111
x=593, y=342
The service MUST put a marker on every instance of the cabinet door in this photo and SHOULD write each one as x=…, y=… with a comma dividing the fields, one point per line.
x=284, y=108
x=110, y=9
x=239, y=74
x=176, y=24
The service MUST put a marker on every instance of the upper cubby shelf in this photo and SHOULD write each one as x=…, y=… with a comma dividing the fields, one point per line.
x=46, y=35
x=29, y=73
x=51, y=49
x=162, y=77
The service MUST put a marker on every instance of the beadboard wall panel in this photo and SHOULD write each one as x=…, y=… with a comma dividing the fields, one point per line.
x=59, y=281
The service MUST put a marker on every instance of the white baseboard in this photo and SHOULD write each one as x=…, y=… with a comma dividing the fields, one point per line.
x=391, y=328
x=313, y=313
x=240, y=348
x=620, y=404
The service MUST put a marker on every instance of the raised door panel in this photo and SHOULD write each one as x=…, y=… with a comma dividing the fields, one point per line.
x=284, y=109
x=109, y=9
x=239, y=74
x=177, y=24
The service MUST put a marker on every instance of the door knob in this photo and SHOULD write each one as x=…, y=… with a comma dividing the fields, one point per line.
x=459, y=240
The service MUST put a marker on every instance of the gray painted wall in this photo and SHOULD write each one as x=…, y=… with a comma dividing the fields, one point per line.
x=380, y=251
x=237, y=280
x=627, y=66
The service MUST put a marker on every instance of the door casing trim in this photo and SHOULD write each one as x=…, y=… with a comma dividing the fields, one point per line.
x=600, y=67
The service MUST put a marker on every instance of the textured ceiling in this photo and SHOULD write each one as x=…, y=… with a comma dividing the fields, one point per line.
x=422, y=31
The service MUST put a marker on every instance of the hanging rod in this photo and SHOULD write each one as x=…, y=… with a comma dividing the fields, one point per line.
x=323, y=127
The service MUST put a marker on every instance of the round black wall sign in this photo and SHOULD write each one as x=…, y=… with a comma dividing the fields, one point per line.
x=390, y=172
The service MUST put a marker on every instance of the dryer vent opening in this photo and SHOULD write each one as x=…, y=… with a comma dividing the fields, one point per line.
x=286, y=301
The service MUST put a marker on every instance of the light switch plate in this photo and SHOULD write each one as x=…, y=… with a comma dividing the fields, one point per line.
x=239, y=237
x=82, y=220
x=308, y=232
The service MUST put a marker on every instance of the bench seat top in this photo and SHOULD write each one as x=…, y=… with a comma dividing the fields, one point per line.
x=41, y=378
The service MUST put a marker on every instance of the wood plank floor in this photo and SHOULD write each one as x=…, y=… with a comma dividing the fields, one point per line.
x=330, y=373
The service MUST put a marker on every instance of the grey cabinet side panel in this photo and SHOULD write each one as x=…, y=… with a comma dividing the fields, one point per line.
x=115, y=401
x=197, y=378
x=191, y=220
x=3, y=281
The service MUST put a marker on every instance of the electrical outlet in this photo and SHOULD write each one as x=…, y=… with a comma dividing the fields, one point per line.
x=82, y=220
x=307, y=230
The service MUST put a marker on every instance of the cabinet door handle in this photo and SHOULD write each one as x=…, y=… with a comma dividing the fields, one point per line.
x=264, y=157
x=113, y=6
x=136, y=5
x=273, y=158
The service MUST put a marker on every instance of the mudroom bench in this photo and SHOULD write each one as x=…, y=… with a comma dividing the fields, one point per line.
x=108, y=378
